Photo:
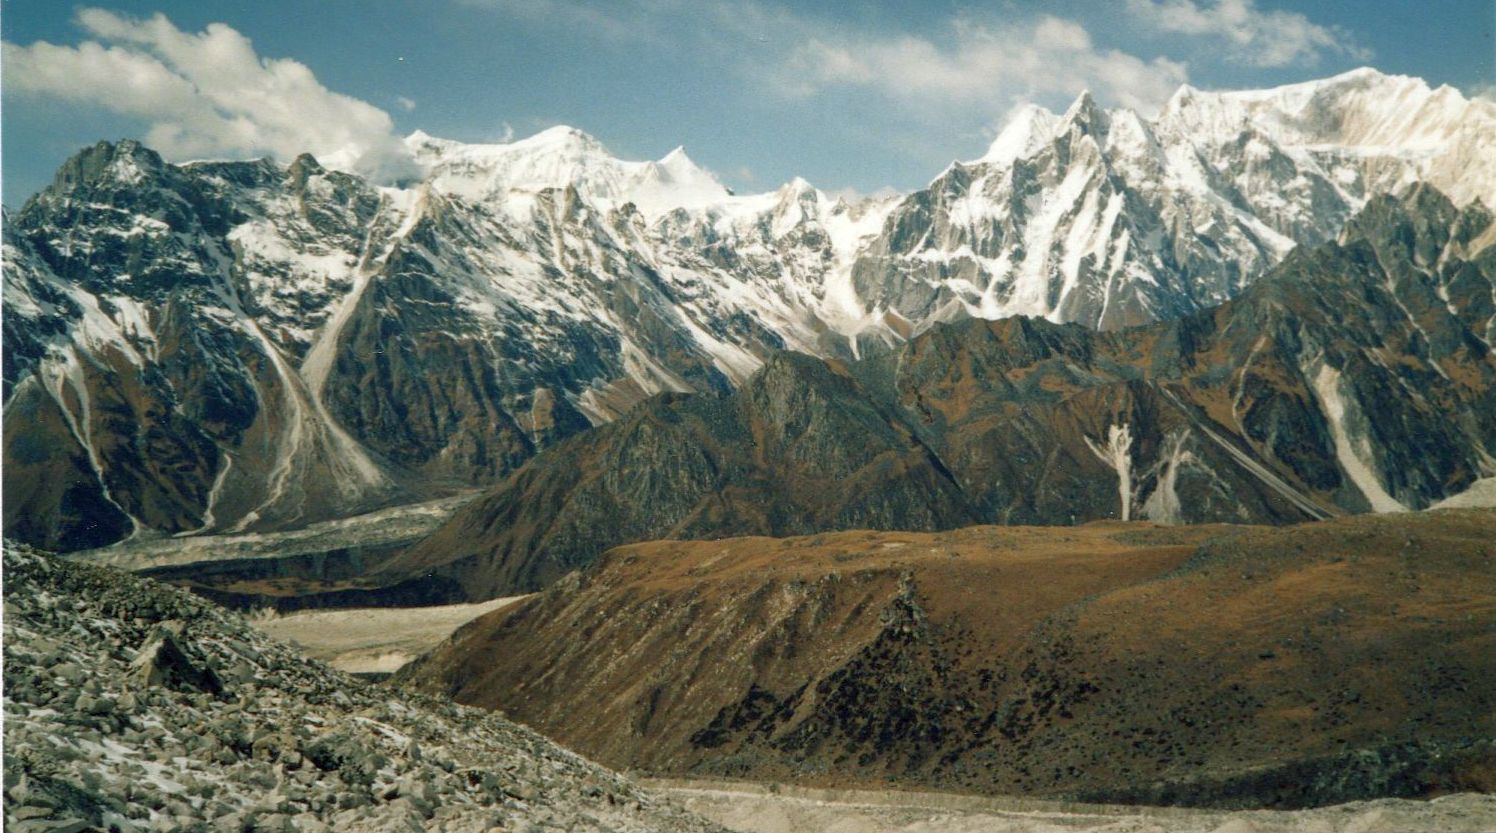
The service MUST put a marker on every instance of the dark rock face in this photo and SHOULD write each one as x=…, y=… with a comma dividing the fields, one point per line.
x=1343, y=381
x=799, y=448
x=150, y=371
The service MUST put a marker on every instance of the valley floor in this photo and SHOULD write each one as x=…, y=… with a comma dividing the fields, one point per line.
x=373, y=640
x=380, y=528
x=756, y=808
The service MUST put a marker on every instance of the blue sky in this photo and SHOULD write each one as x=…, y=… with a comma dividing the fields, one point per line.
x=853, y=95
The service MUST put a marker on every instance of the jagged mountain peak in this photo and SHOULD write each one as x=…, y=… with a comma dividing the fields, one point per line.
x=1027, y=128
x=561, y=141
x=677, y=159
x=1085, y=113
x=564, y=134
x=675, y=181
x=564, y=157
x=1422, y=226
x=1327, y=387
x=124, y=163
x=1109, y=218
x=799, y=185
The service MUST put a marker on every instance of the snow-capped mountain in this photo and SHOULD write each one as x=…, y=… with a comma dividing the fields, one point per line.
x=1357, y=375
x=559, y=157
x=243, y=346
x=1108, y=218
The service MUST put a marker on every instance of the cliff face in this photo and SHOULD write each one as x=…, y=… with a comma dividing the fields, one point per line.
x=1209, y=665
x=1357, y=376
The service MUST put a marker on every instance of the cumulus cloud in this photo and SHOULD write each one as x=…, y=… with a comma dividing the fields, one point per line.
x=1271, y=38
x=206, y=94
x=985, y=65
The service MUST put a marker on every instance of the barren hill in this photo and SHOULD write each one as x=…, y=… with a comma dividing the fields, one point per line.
x=1215, y=665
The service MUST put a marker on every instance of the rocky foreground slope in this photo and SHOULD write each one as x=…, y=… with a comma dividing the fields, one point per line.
x=131, y=706
x=1358, y=375
x=1211, y=665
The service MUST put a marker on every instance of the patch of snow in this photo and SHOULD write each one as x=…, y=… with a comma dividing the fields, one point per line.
x=1117, y=454
x=1480, y=495
x=1163, y=505
x=1352, y=448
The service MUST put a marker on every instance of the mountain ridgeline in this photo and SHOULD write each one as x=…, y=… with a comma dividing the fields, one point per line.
x=1356, y=376
x=214, y=347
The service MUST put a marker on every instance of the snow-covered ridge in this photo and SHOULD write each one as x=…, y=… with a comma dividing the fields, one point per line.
x=562, y=157
x=1109, y=218
x=1364, y=117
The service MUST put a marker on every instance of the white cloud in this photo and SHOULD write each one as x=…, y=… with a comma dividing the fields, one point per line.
x=984, y=65
x=206, y=94
x=1256, y=37
x=406, y=103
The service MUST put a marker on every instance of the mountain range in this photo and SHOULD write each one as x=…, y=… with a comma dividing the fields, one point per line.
x=1355, y=376
x=246, y=346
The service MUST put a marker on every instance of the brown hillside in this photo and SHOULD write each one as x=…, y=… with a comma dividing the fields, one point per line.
x=1205, y=665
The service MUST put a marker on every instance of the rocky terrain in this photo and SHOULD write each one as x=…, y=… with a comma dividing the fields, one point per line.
x=132, y=706
x=250, y=346
x=1220, y=666
x=1355, y=376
